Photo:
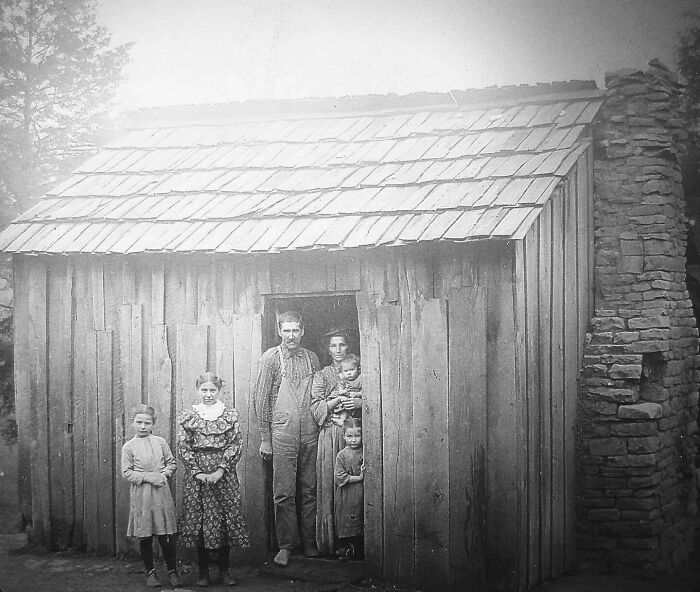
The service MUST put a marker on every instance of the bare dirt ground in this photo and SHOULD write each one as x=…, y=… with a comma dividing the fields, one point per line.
x=24, y=571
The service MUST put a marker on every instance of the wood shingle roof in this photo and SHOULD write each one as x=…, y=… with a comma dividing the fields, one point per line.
x=360, y=179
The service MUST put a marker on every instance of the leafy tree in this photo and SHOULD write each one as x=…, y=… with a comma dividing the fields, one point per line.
x=57, y=75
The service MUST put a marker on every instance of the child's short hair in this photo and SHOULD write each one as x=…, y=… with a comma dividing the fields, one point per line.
x=209, y=377
x=144, y=410
x=351, y=359
x=351, y=423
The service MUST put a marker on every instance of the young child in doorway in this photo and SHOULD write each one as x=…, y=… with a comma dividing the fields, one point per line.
x=147, y=462
x=349, y=385
x=349, y=494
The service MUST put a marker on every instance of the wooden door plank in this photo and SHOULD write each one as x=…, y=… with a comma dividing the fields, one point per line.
x=160, y=392
x=521, y=411
x=545, y=389
x=431, y=448
x=190, y=362
x=131, y=394
x=82, y=328
x=225, y=356
x=247, y=349
x=60, y=367
x=502, y=508
x=557, y=388
x=37, y=289
x=396, y=444
x=22, y=386
x=91, y=455
x=533, y=393
x=105, y=447
x=207, y=309
x=467, y=408
x=570, y=369
x=371, y=434
x=158, y=293
x=98, y=299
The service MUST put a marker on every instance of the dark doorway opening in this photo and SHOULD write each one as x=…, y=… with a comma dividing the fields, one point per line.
x=321, y=313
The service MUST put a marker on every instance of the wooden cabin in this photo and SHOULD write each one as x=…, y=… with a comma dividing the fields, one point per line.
x=452, y=232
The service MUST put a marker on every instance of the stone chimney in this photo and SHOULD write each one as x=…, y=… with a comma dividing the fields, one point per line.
x=638, y=399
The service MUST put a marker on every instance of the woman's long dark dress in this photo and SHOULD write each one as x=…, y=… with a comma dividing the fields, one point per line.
x=330, y=442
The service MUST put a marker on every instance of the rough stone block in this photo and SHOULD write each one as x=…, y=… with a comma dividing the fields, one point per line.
x=643, y=445
x=649, y=322
x=607, y=446
x=602, y=324
x=625, y=336
x=630, y=264
x=626, y=371
x=618, y=395
x=640, y=411
x=603, y=515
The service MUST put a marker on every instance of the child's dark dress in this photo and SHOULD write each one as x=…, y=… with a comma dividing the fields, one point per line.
x=349, y=497
x=212, y=512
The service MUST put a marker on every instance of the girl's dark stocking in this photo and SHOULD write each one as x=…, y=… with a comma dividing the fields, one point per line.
x=223, y=558
x=146, y=547
x=167, y=543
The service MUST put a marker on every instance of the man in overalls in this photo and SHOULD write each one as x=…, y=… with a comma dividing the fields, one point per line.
x=289, y=435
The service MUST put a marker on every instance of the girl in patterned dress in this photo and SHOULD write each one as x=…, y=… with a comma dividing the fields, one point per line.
x=209, y=444
x=147, y=463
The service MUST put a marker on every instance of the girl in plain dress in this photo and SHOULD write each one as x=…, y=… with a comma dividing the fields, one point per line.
x=349, y=495
x=147, y=463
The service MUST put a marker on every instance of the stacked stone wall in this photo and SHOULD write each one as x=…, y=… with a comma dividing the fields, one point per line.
x=638, y=398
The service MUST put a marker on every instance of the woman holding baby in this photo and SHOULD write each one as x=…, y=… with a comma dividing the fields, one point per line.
x=336, y=393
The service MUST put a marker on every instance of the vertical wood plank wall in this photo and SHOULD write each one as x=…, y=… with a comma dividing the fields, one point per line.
x=470, y=356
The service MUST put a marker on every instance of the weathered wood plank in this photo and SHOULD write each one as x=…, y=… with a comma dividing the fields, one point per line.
x=98, y=297
x=159, y=392
x=247, y=349
x=157, y=293
x=310, y=275
x=130, y=372
x=557, y=404
x=37, y=284
x=372, y=434
x=533, y=394
x=191, y=303
x=521, y=371
x=502, y=507
x=175, y=307
x=545, y=389
x=91, y=454
x=128, y=282
x=225, y=356
x=570, y=369
x=396, y=443
x=582, y=247
x=190, y=362
x=431, y=449
x=60, y=367
x=82, y=326
x=467, y=439
x=23, y=411
x=105, y=447
x=207, y=310
x=347, y=274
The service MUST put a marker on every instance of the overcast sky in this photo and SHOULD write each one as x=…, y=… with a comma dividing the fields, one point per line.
x=200, y=51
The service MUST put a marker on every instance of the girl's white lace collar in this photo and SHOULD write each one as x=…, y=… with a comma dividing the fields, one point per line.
x=210, y=412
